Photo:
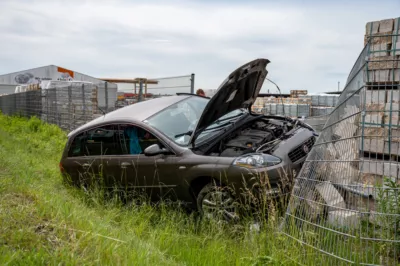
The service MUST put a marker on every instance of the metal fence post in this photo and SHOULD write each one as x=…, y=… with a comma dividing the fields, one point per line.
x=192, y=83
x=83, y=103
x=70, y=109
x=106, y=96
x=47, y=106
x=140, y=91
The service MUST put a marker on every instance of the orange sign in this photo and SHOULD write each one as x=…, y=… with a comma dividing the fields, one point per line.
x=63, y=70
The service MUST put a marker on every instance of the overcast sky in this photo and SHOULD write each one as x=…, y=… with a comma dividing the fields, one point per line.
x=311, y=44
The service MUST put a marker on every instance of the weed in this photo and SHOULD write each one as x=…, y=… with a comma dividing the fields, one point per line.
x=44, y=221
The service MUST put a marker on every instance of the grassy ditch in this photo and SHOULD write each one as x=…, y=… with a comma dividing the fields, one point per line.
x=42, y=221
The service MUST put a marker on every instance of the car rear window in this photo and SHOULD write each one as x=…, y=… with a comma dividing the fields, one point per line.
x=112, y=140
x=97, y=141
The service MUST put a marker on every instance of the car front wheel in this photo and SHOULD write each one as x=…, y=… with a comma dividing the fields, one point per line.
x=217, y=203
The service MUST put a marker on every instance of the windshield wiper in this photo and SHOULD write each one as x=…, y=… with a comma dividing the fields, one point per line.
x=190, y=132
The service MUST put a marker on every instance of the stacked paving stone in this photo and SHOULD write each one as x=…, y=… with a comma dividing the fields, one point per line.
x=367, y=125
x=378, y=148
x=69, y=106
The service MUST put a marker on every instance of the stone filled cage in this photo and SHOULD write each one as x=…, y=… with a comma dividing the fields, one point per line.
x=345, y=202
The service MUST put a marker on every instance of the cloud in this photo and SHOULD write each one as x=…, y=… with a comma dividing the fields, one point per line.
x=311, y=45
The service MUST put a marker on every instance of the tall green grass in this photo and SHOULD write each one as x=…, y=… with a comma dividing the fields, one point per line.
x=43, y=221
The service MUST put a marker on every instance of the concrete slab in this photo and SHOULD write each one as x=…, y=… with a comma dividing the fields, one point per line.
x=345, y=175
x=373, y=119
x=397, y=47
x=386, y=25
x=375, y=96
x=378, y=50
x=372, y=27
x=330, y=196
x=394, y=75
x=393, y=120
x=344, y=219
x=382, y=75
x=394, y=107
x=380, y=146
x=379, y=168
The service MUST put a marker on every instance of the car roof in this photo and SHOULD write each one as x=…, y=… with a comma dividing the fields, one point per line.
x=134, y=112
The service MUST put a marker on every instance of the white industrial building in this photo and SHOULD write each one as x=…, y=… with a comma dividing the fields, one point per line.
x=9, y=82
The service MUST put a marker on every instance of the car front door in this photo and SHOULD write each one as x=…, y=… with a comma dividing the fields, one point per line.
x=156, y=176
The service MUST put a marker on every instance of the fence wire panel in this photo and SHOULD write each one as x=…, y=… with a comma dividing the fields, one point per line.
x=171, y=85
x=345, y=201
x=316, y=122
x=68, y=107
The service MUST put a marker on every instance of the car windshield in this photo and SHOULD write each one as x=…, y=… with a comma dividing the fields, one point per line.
x=178, y=121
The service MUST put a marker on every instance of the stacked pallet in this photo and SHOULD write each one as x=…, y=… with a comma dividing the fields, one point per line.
x=381, y=122
x=379, y=129
x=293, y=107
x=69, y=107
x=384, y=51
x=297, y=93
x=321, y=104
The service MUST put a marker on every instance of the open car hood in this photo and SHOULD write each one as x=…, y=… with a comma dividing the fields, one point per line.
x=239, y=90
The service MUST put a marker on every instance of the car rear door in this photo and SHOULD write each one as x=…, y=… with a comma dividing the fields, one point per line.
x=93, y=156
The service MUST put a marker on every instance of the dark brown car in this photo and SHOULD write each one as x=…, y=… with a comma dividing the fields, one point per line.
x=187, y=148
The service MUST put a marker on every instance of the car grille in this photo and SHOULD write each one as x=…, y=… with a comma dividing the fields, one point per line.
x=299, y=152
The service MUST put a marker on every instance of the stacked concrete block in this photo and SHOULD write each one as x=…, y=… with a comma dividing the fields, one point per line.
x=374, y=97
x=381, y=168
x=379, y=32
x=69, y=107
x=384, y=51
x=381, y=131
x=320, y=111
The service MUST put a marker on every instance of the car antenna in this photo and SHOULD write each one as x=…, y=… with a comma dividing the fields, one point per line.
x=280, y=93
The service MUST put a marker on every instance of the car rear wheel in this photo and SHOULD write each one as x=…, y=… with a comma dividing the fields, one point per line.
x=217, y=203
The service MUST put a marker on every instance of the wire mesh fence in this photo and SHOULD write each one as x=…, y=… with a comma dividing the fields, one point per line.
x=172, y=85
x=156, y=87
x=345, y=203
x=68, y=107
x=72, y=104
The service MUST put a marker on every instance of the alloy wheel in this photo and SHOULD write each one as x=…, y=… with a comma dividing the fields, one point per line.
x=218, y=204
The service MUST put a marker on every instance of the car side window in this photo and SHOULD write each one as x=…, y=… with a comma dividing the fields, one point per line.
x=134, y=139
x=96, y=142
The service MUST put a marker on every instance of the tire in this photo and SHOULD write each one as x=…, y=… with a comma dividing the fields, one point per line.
x=217, y=203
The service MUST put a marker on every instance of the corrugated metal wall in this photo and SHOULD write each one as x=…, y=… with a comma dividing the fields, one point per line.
x=7, y=89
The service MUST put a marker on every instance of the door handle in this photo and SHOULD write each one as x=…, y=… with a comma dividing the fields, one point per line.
x=125, y=164
x=85, y=165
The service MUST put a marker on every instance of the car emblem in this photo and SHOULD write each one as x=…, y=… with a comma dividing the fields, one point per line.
x=306, y=149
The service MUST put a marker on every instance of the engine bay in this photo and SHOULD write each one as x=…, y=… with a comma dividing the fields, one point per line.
x=261, y=136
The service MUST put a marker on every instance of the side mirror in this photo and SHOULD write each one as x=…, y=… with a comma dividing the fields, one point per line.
x=154, y=150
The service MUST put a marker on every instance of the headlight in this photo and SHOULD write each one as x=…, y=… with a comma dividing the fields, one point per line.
x=255, y=160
